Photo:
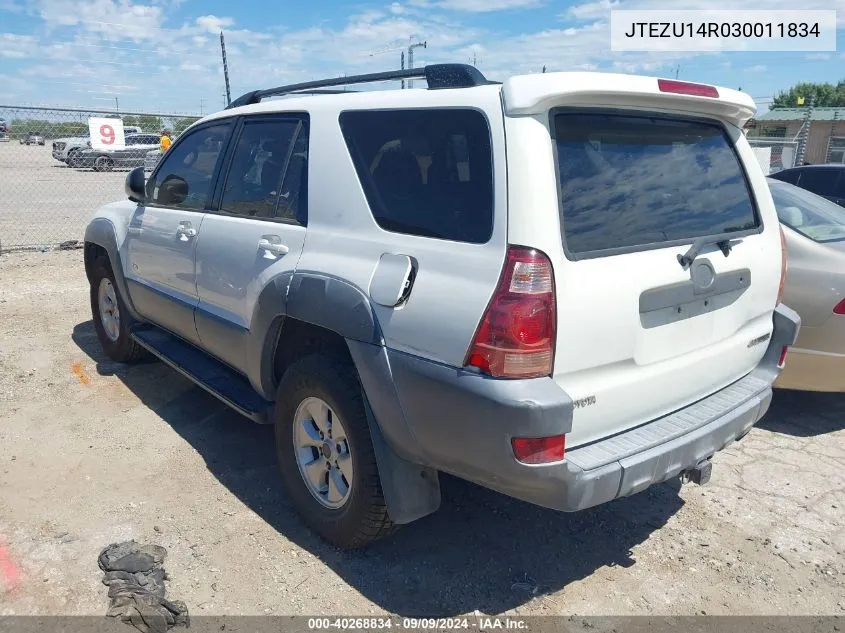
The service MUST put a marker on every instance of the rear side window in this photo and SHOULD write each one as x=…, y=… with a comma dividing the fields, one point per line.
x=811, y=215
x=629, y=182
x=819, y=181
x=425, y=172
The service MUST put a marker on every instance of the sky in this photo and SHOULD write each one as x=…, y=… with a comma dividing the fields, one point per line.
x=164, y=55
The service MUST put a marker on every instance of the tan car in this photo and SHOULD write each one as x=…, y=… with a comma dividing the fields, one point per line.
x=815, y=287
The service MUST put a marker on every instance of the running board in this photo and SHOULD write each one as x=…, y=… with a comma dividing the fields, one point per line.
x=210, y=374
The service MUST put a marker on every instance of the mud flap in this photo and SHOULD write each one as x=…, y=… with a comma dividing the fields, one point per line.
x=411, y=491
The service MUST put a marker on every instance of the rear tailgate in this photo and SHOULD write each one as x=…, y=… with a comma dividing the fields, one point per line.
x=632, y=176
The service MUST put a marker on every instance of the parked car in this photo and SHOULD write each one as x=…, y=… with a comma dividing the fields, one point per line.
x=67, y=150
x=33, y=138
x=563, y=302
x=132, y=155
x=151, y=159
x=822, y=180
x=815, y=287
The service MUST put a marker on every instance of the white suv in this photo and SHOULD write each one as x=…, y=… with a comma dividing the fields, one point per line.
x=564, y=287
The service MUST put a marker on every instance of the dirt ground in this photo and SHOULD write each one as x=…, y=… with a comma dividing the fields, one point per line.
x=92, y=452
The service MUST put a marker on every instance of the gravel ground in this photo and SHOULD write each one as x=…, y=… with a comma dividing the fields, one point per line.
x=92, y=452
x=45, y=202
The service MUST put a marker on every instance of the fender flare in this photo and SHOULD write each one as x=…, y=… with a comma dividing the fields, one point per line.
x=101, y=231
x=411, y=488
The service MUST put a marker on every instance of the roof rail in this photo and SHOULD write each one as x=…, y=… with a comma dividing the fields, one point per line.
x=436, y=75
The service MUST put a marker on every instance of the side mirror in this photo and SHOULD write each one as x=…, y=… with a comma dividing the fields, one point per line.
x=134, y=185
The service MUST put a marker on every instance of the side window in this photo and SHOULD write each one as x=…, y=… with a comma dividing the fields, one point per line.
x=293, y=196
x=819, y=181
x=425, y=172
x=255, y=176
x=183, y=180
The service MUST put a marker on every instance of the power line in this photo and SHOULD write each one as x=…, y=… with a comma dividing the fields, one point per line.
x=93, y=61
x=117, y=48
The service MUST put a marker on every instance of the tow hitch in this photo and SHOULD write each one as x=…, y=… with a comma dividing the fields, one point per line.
x=700, y=474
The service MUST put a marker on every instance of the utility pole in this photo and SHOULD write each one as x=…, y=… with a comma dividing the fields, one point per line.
x=411, y=58
x=116, y=105
x=544, y=68
x=225, y=69
x=803, y=134
x=202, y=100
x=402, y=66
x=677, y=70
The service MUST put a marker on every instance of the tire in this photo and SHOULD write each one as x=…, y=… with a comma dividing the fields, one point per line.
x=114, y=336
x=71, y=158
x=362, y=518
x=103, y=163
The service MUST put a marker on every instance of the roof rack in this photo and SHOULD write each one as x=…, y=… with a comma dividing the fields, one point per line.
x=436, y=75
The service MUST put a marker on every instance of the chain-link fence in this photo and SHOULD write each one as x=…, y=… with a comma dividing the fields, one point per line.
x=774, y=154
x=54, y=173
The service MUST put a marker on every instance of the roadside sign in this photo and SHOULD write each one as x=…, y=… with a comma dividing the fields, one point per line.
x=106, y=133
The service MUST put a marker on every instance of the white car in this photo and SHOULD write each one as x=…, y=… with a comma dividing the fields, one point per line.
x=564, y=287
x=151, y=159
x=65, y=150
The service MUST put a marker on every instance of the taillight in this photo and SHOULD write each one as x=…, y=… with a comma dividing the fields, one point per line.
x=839, y=308
x=686, y=88
x=539, y=450
x=784, y=265
x=516, y=336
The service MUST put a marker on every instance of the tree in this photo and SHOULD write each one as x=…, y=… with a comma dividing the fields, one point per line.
x=150, y=123
x=182, y=123
x=825, y=95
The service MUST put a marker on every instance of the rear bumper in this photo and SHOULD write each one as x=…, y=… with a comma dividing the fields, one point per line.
x=464, y=422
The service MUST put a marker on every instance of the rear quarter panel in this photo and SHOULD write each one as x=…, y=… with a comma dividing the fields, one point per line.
x=454, y=280
x=815, y=283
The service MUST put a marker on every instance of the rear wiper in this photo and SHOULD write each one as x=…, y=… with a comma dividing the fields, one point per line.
x=724, y=244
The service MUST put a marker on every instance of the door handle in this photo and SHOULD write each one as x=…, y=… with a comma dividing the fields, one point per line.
x=185, y=230
x=272, y=244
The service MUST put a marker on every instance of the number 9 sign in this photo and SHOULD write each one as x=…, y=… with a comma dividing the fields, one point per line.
x=106, y=133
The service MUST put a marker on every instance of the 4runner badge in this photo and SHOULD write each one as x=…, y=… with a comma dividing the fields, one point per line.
x=584, y=402
x=758, y=340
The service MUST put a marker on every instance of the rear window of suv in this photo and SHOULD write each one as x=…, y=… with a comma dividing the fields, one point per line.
x=634, y=182
x=426, y=172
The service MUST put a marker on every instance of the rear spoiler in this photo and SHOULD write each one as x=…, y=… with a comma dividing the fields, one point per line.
x=537, y=93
